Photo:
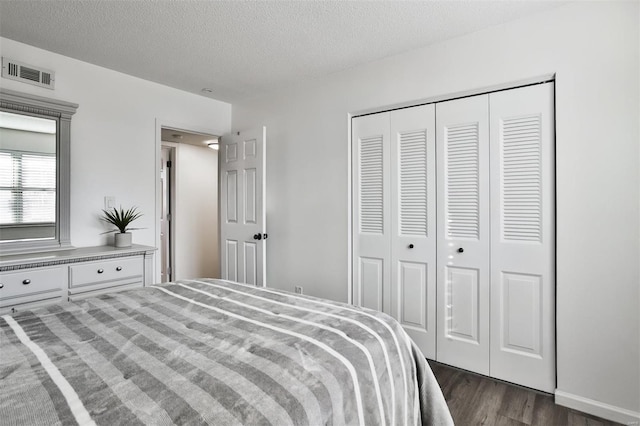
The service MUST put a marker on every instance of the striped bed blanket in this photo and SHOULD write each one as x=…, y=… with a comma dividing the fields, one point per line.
x=212, y=352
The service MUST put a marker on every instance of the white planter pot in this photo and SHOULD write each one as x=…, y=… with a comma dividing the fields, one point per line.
x=122, y=239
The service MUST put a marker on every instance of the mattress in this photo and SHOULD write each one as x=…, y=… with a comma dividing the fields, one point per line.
x=212, y=352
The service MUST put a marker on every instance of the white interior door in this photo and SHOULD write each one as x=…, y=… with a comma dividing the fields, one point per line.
x=462, y=145
x=371, y=212
x=413, y=230
x=522, y=240
x=242, y=207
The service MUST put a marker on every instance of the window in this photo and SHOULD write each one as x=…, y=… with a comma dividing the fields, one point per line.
x=27, y=188
x=35, y=141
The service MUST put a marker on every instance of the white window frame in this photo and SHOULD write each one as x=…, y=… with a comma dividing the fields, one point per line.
x=61, y=112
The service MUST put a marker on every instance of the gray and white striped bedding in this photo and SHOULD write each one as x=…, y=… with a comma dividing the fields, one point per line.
x=212, y=352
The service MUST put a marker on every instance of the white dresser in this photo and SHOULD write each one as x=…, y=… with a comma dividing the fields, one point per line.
x=31, y=280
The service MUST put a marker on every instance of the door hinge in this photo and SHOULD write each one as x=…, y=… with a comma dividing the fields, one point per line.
x=168, y=163
x=168, y=216
x=169, y=270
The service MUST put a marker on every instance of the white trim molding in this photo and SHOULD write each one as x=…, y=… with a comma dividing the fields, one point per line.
x=597, y=408
x=456, y=95
x=349, y=214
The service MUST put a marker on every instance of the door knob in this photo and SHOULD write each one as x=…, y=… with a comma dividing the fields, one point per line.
x=410, y=246
x=460, y=250
x=265, y=236
x=257, y=236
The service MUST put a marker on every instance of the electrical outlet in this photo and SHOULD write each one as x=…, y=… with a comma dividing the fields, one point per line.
x=109, y=202
x=298, y=290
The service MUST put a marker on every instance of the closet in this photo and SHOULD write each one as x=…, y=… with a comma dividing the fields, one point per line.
x=453, y=229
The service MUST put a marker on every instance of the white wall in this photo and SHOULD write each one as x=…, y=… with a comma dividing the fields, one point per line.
x=114, y=145
x=593, y=49
x=196, y=213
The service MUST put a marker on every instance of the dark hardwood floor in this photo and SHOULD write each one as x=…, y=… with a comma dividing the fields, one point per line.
x=479, y=400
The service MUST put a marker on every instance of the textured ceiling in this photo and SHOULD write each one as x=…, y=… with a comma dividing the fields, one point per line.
x=244, y=48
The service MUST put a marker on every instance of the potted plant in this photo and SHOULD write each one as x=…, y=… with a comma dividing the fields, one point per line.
x=121, y=220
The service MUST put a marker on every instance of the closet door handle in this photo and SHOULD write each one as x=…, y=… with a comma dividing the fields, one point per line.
x=460, y=250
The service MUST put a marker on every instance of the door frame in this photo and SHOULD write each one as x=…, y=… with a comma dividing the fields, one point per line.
x=185, y=127
x=173, y=177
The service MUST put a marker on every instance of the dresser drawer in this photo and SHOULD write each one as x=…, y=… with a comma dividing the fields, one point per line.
x=125, y=268
x=32, y=284
x=27, y=303
x=96, y=290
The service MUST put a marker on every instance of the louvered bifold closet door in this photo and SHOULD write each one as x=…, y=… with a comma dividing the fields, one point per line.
x=371, y=212
x=522, y=241
x=413, y=246
x=462, y=145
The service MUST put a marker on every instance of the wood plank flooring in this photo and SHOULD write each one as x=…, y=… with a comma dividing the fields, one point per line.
x=479, y=400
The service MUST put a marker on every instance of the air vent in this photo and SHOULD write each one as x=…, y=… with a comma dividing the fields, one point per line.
x=25, y=73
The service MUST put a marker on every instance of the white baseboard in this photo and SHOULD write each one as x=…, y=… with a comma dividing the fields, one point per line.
x=597, y=408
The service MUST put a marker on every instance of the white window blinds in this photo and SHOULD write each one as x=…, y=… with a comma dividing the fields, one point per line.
x=27, y=188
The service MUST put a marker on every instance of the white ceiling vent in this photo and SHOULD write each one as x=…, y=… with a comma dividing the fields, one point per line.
x=25, y=73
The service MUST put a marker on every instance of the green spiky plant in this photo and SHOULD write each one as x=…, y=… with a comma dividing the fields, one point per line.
x=121, y=218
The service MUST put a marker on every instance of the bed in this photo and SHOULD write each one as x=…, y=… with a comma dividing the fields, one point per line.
x=212, y=352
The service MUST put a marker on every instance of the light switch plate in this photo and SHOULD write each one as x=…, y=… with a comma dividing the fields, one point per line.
x=109, y=202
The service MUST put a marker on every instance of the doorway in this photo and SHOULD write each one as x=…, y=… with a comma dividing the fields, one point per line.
x=189, y=229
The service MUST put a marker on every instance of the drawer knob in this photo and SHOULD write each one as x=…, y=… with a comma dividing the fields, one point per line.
x=27, y=281
x=1, y=285
x=100, y=270
x=119, y=268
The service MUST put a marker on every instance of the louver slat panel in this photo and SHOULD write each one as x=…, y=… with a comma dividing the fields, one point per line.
x=371, y=185
x=521, y=177
x=462, y=181
x=413, y=183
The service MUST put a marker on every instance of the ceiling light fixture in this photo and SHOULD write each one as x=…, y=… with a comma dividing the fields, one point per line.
x=213, y=144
